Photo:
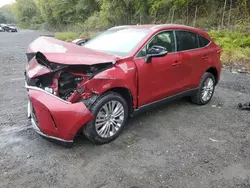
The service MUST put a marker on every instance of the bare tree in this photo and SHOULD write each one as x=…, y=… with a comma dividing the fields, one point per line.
x=195, y=15
x=172, y=19
x=230, y=13
x=187, y=12
x=155, y=17
x=223, y=14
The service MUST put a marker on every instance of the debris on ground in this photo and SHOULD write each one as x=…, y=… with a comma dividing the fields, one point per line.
x=245, y=106
x=213, y=140
x=239, y=70
x=243, y=71
x=206, y=161
x=219, y=105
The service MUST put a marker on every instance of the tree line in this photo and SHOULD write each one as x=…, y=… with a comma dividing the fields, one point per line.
x=102, y=14
x=6, y=16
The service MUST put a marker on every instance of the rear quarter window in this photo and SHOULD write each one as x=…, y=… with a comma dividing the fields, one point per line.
x=203, y=41
x=186, y=40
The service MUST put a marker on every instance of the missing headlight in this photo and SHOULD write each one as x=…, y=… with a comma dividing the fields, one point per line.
x=68, y=84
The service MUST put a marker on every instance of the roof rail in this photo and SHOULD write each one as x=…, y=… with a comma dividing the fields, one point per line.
x=118, y=27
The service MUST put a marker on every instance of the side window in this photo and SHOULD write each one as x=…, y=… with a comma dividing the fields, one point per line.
x=165, y=39
x=203, y=41
x=143, y=52
x=186, y=40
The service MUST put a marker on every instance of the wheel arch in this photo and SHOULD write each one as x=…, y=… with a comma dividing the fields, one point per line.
x=214, y=72
x=127, y=95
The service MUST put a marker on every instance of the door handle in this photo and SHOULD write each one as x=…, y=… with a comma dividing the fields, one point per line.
x=177, y=63
x=205, y=57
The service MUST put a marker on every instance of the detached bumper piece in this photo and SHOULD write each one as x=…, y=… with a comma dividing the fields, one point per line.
x=55, y=119
x=245, y=106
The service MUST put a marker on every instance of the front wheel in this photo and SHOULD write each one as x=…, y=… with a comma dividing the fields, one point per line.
x=111, y=113
x=206, y=90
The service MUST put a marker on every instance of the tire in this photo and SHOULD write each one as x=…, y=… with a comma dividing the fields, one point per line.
x=90, y=130
x=198, y=97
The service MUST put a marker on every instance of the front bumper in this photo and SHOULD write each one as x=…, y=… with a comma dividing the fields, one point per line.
x=54, y=118
x=66, y=143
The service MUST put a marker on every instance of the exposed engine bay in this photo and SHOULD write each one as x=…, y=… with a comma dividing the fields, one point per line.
x=64, y=81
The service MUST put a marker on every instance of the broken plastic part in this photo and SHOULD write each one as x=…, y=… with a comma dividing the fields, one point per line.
x=90, y=101
x=245, y=106
x=65, y=81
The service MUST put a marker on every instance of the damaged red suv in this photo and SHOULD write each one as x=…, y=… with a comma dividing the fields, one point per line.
x=94, y=88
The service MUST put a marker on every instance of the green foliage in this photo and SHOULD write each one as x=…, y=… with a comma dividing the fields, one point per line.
x=27, y=13
x=6, y=15
x=66, y=36
x=2, y=18
x=77, y=16
x=101, y=14
x=235, y=44
x=70, y=36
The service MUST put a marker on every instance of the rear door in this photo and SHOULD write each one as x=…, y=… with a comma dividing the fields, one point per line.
x=195, y=58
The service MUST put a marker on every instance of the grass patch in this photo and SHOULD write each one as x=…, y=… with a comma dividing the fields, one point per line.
x=235, y=45
x=66, y=36
x=70, y=36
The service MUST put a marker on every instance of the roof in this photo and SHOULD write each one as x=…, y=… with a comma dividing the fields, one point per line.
x=155, y=27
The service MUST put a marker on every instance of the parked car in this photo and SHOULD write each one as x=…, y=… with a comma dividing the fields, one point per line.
x=94, y=89
x=12, y=29
x=8, y=28
x=1, y=29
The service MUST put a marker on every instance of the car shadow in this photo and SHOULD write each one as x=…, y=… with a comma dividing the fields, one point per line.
x=143, y=116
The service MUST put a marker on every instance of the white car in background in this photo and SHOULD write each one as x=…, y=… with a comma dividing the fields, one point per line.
x=8, y=28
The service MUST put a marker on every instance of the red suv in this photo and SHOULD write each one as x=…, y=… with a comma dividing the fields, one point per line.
x=94, y=88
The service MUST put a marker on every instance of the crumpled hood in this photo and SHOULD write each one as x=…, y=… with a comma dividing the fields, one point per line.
x=61, y=52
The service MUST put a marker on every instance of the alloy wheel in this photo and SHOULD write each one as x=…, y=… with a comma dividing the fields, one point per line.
x=207, y=89
x=109, y=119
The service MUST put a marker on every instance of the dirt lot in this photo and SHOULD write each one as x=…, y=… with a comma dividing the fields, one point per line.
x=176, y=145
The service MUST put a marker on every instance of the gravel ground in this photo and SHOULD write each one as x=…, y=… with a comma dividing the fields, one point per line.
x=175, y=145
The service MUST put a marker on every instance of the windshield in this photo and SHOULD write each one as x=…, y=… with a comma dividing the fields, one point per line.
x=118, y=42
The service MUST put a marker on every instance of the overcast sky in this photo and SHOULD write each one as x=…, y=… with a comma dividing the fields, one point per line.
x=5, y=2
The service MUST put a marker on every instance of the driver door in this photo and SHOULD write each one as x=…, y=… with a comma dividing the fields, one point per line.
x=158, y=79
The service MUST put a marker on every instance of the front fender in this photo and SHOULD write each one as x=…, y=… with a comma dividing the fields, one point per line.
x=122, y=75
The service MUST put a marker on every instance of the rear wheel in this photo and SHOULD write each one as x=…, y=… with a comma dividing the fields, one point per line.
x=206, y=90
x=111, y=113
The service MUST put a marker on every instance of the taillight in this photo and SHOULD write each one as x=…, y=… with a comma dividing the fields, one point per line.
x=219, y=51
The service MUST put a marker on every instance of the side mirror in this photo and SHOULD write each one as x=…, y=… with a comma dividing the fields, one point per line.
x=155, y=51
x=82, y=42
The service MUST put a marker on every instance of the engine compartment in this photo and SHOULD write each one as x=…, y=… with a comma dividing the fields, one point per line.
x=64, y=81
x=67, y=84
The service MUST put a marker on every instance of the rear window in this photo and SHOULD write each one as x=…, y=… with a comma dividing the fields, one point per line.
x=203, y=41
x=186, y=40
